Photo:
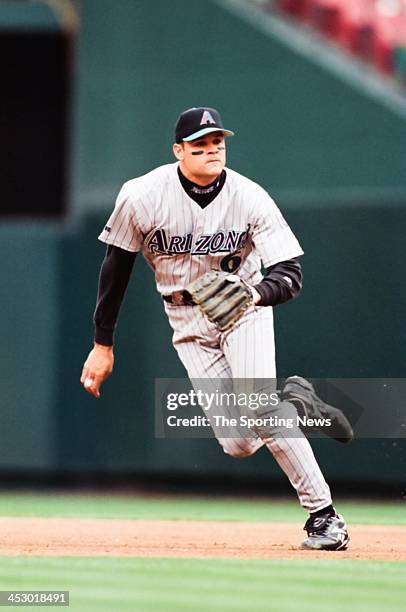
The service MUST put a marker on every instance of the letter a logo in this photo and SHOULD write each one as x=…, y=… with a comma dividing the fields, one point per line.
x=207, y=118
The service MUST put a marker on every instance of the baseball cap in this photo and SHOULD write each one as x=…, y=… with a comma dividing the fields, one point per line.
x=196, y=122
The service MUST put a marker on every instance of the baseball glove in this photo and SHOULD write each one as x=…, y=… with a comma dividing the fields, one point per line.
x=222, y=297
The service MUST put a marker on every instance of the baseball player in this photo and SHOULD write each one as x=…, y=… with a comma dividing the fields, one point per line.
x=207, y=231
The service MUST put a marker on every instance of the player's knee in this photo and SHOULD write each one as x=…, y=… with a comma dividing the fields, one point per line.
x=238, y=449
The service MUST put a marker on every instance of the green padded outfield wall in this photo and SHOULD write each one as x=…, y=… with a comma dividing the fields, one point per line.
x=332, y=156
x=30, y=345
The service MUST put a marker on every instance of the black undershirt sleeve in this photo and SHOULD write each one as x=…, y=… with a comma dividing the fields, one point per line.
x=115, y=273
x=281, y=283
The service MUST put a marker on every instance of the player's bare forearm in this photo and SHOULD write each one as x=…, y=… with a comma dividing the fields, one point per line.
x=97, y=367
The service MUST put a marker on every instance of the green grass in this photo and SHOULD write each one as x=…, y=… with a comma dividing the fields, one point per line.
x=105, y=584
x=215, y=585
x=189, y=508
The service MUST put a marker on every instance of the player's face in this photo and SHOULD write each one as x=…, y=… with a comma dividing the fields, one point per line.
x=203, y=159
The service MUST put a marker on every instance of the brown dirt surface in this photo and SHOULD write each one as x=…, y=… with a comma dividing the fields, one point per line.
x=239, y=540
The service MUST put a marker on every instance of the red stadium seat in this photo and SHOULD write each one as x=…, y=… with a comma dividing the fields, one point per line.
x=297, y=8
x=324, y=15
x=357, y=26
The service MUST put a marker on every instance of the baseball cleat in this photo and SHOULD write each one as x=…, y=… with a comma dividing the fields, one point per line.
x=326, y=532
x=302, y=394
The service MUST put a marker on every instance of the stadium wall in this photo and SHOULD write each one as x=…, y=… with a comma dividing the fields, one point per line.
x=332, y=157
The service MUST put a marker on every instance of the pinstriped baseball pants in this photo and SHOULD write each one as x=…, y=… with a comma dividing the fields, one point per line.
x=247, y=351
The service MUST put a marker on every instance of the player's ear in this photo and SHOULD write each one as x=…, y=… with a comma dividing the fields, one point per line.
x=178, y=150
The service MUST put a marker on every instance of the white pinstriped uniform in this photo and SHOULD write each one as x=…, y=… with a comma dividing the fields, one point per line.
x=240, y=229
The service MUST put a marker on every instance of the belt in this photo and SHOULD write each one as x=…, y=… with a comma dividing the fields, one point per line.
x=179, y=298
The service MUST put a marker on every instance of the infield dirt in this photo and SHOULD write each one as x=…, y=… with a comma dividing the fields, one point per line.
x=140, y=538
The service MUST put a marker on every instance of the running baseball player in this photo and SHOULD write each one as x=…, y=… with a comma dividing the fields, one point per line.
x=207, y=231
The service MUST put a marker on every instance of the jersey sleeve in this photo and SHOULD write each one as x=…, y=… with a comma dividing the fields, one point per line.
x=272, y=237
x=122, y=229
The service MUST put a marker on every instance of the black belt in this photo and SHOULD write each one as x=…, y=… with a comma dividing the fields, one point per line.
x=179, y=298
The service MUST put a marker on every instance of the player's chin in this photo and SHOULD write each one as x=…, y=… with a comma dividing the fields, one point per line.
x=214, y=168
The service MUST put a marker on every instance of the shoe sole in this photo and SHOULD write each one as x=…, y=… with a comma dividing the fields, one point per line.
x=345, y=435
x=342, y=546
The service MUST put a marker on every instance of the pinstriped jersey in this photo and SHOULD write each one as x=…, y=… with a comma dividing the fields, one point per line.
x=240, y=229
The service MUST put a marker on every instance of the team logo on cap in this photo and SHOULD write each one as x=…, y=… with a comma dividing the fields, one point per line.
x=207, y=118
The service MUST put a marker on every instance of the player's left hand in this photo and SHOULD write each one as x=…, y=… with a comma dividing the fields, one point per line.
x=223, y=298
x=98, y=366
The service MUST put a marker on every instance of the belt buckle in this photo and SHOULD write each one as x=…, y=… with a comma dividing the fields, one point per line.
x=177, y=298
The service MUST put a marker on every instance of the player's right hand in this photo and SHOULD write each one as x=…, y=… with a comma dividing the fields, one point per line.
x=98, y=366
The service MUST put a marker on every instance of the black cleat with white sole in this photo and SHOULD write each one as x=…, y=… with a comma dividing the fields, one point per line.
x=326, y=532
